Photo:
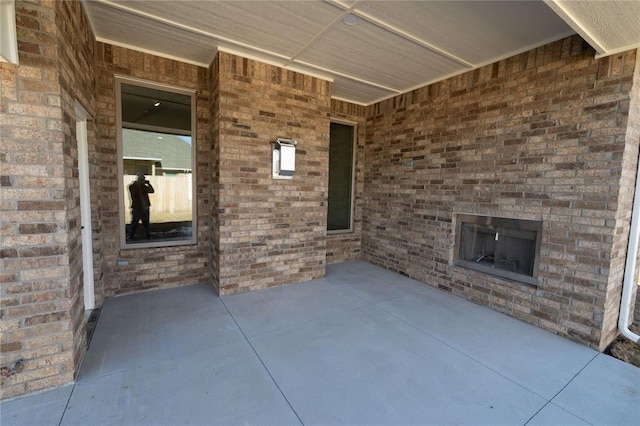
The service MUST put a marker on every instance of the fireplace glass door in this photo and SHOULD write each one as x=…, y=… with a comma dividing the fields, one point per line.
x=499, y=246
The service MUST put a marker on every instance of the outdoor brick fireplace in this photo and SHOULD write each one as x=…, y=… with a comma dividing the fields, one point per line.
x=508, y=248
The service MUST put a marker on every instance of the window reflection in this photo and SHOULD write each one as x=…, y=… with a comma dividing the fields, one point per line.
x=157, y=165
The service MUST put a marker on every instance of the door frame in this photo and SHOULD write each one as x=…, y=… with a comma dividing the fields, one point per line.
x=85, y=205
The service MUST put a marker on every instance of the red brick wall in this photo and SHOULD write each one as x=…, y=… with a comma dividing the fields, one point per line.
x=345, y=247
x=539, y=136
x=271, y=232
x=150, y=268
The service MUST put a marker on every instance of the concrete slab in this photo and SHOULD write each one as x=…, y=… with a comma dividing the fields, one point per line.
x=221, y=385
x=553, y=415
x=368, y=367
x=44, y=408
x=532, y=357
x=363, y=346
x=146, y=328
x=289, y=306
x=606, y=391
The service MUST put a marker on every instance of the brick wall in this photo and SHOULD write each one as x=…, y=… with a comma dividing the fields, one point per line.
x=345, y=247
x=41, y=268
x=271, y=232
x=538, y=136
x=629, y=162
x=150, y=268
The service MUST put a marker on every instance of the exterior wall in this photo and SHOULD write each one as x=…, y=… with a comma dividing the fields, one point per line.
x=41, y=263
x=550, y=135
x=345, y=247
x=538, y=136
x=150, y=268
x=272, y=232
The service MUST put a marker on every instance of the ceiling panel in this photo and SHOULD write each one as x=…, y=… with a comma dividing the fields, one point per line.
x=614, y=25
x=280, y=27
x=396, y=46
x=373, y=54
x=148, y=35
x=473, y=31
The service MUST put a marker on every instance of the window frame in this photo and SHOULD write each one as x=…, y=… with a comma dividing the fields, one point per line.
x=352, y=195
x=122, y=225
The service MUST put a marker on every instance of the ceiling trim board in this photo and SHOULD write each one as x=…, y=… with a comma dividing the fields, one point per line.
x=618, y=50
x=349, y=77
x=574, y=23
x=522, y=50
x=457, y=73
x=153, y=52
x=343, y=5
x=338, y=98
x=290, y=65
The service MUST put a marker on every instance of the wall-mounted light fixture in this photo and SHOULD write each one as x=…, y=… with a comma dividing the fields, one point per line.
x=284, y=158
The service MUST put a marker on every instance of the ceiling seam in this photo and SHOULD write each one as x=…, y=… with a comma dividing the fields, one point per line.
x=320, y=34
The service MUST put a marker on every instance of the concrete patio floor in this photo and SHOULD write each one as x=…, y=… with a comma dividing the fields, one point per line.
x=362, y=346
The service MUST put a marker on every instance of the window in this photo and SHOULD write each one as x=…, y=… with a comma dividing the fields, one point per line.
x=341, y=176
x=156, y=156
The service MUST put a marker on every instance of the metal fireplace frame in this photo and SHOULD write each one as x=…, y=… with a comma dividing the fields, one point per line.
x=505, y=226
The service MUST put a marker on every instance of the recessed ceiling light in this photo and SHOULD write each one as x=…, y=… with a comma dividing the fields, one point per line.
x=157, y=104
x=351, y=20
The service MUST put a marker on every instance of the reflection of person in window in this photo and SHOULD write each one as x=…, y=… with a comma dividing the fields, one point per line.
x=140, y=190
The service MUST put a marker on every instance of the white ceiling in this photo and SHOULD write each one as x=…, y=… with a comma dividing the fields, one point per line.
x=395, y=47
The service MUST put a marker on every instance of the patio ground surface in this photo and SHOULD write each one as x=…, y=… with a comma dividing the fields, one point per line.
x=362, y=346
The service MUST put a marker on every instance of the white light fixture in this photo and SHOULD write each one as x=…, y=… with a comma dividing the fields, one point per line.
x=351, y=20
x=157, y=104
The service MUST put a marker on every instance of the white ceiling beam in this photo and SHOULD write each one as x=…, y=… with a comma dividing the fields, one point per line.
x=348, y=76
x=576, y=25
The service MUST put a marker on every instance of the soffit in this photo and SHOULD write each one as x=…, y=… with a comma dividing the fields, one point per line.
x=395, y=47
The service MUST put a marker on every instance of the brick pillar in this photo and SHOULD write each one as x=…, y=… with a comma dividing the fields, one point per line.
x=271, y=232
x=36, y=286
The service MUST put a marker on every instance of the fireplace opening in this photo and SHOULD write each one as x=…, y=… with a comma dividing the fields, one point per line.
x=508, y=248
